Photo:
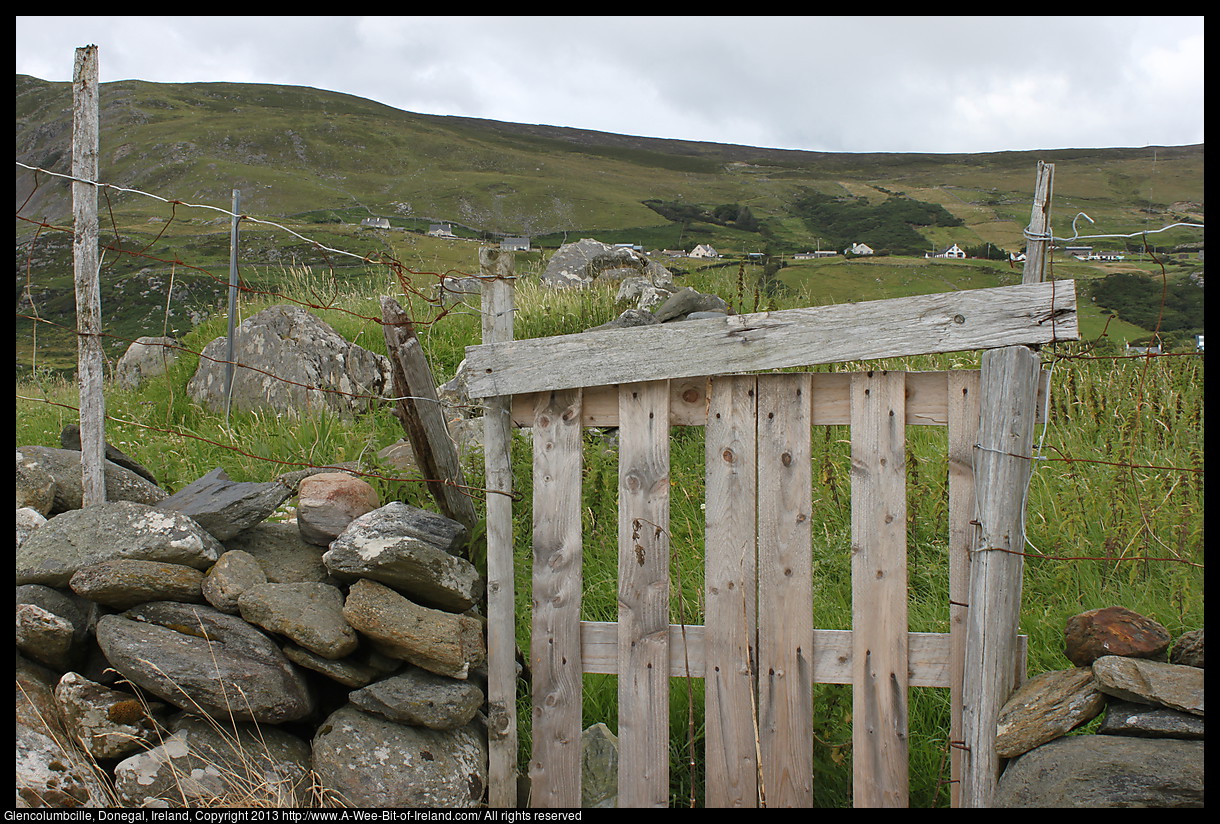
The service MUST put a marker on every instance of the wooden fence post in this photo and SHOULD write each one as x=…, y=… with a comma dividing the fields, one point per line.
x=90, y=360
x=496, y=270
x=1002, y=457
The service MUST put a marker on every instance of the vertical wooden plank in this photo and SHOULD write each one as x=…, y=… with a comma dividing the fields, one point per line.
x=555, y=645
x=731, y=633
x=1008, y=390
x=879, y=590
x=89, y=356
x=643, y=566
x=963, y=404
x=496, y=269
x=785, y=599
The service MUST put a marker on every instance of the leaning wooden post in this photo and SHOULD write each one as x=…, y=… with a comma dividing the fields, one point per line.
x=496, y=270
x=90, y=360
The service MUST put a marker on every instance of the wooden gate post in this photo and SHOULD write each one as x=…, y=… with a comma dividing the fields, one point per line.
x=1003, y=464
x=496, y=270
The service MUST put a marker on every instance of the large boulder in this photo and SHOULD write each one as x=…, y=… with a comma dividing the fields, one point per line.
x=290, y=361
x=37, y=463
x=225, y=507
x=579, y=264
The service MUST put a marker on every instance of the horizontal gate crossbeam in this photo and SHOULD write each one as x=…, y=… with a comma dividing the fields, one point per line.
x=924, y=324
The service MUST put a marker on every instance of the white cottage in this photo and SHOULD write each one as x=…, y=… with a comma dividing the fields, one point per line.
x=953, y=251
x=703, y=251
x=858, y=249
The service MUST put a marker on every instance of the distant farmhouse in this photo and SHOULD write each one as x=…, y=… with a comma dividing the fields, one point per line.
x=440, y=230
x=375, y=223
x=953, y=251
x=515, y=244
x=703, y=251
x=813, y=255
x=858, y=249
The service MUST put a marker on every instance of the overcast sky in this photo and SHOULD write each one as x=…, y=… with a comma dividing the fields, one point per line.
x=837, y=84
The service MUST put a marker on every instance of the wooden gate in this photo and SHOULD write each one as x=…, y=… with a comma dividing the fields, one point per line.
x=757, y=651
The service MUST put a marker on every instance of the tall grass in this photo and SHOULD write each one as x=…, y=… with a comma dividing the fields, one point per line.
x=1089, y=519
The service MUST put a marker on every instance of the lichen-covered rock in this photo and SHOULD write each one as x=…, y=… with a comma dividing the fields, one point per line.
x=123, y=529
x=369, y=761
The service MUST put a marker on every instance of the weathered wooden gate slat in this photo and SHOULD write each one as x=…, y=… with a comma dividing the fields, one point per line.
x=785, y=590
x=643, y=586
x=730, y=642
x=555, y=637
x=879, y=590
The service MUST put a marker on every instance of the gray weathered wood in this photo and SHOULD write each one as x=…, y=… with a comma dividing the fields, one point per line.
x=785, y=591
x=948, y=322
x=555, y=646
x=731, y=636
x=963, y=398
x=1038, y=243
x=496, y=269
x=643, y=643
x=879, y=590
x=1002, y=460
x=90, y=358
x=419, y=410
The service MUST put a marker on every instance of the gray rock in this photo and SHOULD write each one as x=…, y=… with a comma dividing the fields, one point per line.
x=234, y=573
x=408, y=766
x=77, y=611
x=125, y=582
x=35, y=487
x=148, y=357
x=205, y=764
x=1141, y=720
x=311, y=615
x=1151, y=682
x=107, y=723
x=282, y=553
x=687, y=300
x=394, y=545
x=28, y=520
x=1093, y=771
x=291, y=352
x=63, y=465
x=440, y=642
x=204, y=661
x=51, y=770
x=123, y=529
x=348, y=671
x=1188, y=650
x=44, y=636
x=421, y=699
x=599, y=767
x=579, y=264
x=630, y=319
x=1045, y=707
x=225, y=507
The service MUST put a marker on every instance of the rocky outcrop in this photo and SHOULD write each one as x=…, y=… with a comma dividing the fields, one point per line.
x=146, y=358
x=192, y=653
x=576, y=265
x=1148, y=747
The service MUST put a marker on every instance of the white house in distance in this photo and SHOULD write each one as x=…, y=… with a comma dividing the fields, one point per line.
x=440, y=230
x=515, y=244
x=953, y=251
x=703, y=251
x=858, y=249
x=375, y=223
x=813, y=255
